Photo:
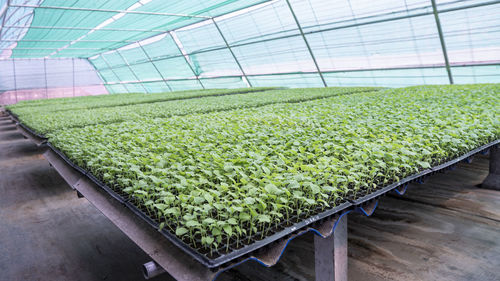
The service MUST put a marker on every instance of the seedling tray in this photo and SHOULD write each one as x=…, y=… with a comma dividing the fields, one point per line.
x=419, y=177
x=282, y=231
x=32, y=132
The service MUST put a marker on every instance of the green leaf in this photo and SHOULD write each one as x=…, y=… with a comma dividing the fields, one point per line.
x=228, y=229
x=180, y=231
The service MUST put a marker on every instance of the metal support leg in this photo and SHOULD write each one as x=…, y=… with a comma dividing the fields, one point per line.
x=441, y=39
x=492, y=181
x=330, y=254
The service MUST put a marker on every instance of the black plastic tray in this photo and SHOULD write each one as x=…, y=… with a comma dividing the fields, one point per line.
x=203, y=259
x=421, y=175
x=32, y=132
x=236, y=253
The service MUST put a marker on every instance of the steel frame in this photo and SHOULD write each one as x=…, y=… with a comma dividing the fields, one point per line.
x=4, y=14
x=305, y=33
x=441, y=40
x=154, y=65
x=306, y=42
x=330, y=254
x=114, y=73
x=73, y=74
x=131, y=70
x=45, y=77
x=445, y=10
x=232, y=53
x=333, y=28
x=111, y=11
x=311, y=72
x=435, y=11
x=15, y=77
x=492, y=181
x=185, y=56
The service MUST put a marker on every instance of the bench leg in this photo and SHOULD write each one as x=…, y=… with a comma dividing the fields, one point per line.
x=492, y=181
x=330, y=254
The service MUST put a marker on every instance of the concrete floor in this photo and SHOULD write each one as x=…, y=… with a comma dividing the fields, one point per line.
x=446, y=229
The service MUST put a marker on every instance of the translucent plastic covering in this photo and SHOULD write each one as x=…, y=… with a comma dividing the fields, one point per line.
x=26, y=79
x=156, y=46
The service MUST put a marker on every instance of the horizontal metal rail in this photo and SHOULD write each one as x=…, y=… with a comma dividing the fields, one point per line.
x=310, y=72
x=55, y=48
x=88, y=41
x=110, y=11
x=86, y=28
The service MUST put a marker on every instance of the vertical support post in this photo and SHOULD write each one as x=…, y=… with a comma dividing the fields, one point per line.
x=492, y=181
x=73, y=67
x=441, y=39
x=330, y=254
x=131, y=70
x=185, y=55
x=307, y=43
x=114, y=73
x=45, y=76
x=15, y=77
x=154, y=65
x=232, y=53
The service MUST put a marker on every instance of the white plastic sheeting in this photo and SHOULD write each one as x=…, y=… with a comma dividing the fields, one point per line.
x=23, y=79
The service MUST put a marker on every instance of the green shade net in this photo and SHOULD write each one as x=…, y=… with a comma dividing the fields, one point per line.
x=390, y=43
x=67, y=24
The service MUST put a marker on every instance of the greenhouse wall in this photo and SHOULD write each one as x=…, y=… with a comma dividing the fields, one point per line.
x=144, y=46
x=27, y=79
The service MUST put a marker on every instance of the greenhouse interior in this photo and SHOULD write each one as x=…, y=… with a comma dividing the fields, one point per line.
x=250, y=140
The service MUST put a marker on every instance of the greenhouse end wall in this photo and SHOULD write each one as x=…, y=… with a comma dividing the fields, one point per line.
x=28, y=79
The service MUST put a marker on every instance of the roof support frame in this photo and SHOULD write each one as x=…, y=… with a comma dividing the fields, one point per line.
x=112, y=11
x=441, y=40
x=349, y=26
x=307, y=43
x=4, y=14
x=313, y=72
x=114, y=73
x=244, y=76
x=131, y=70
x=185, y=55
x=154, y=65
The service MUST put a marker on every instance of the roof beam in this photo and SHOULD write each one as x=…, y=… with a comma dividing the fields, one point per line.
x=441, y=40
x=6, y=28
x=112, y=11
x=495, y=63
x=34, y=48
x=88, y=41
x=4, y=14
x=85, y=28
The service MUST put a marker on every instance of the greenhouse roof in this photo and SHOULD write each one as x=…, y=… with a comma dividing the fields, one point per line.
x=82, y=28
x=165, y=45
